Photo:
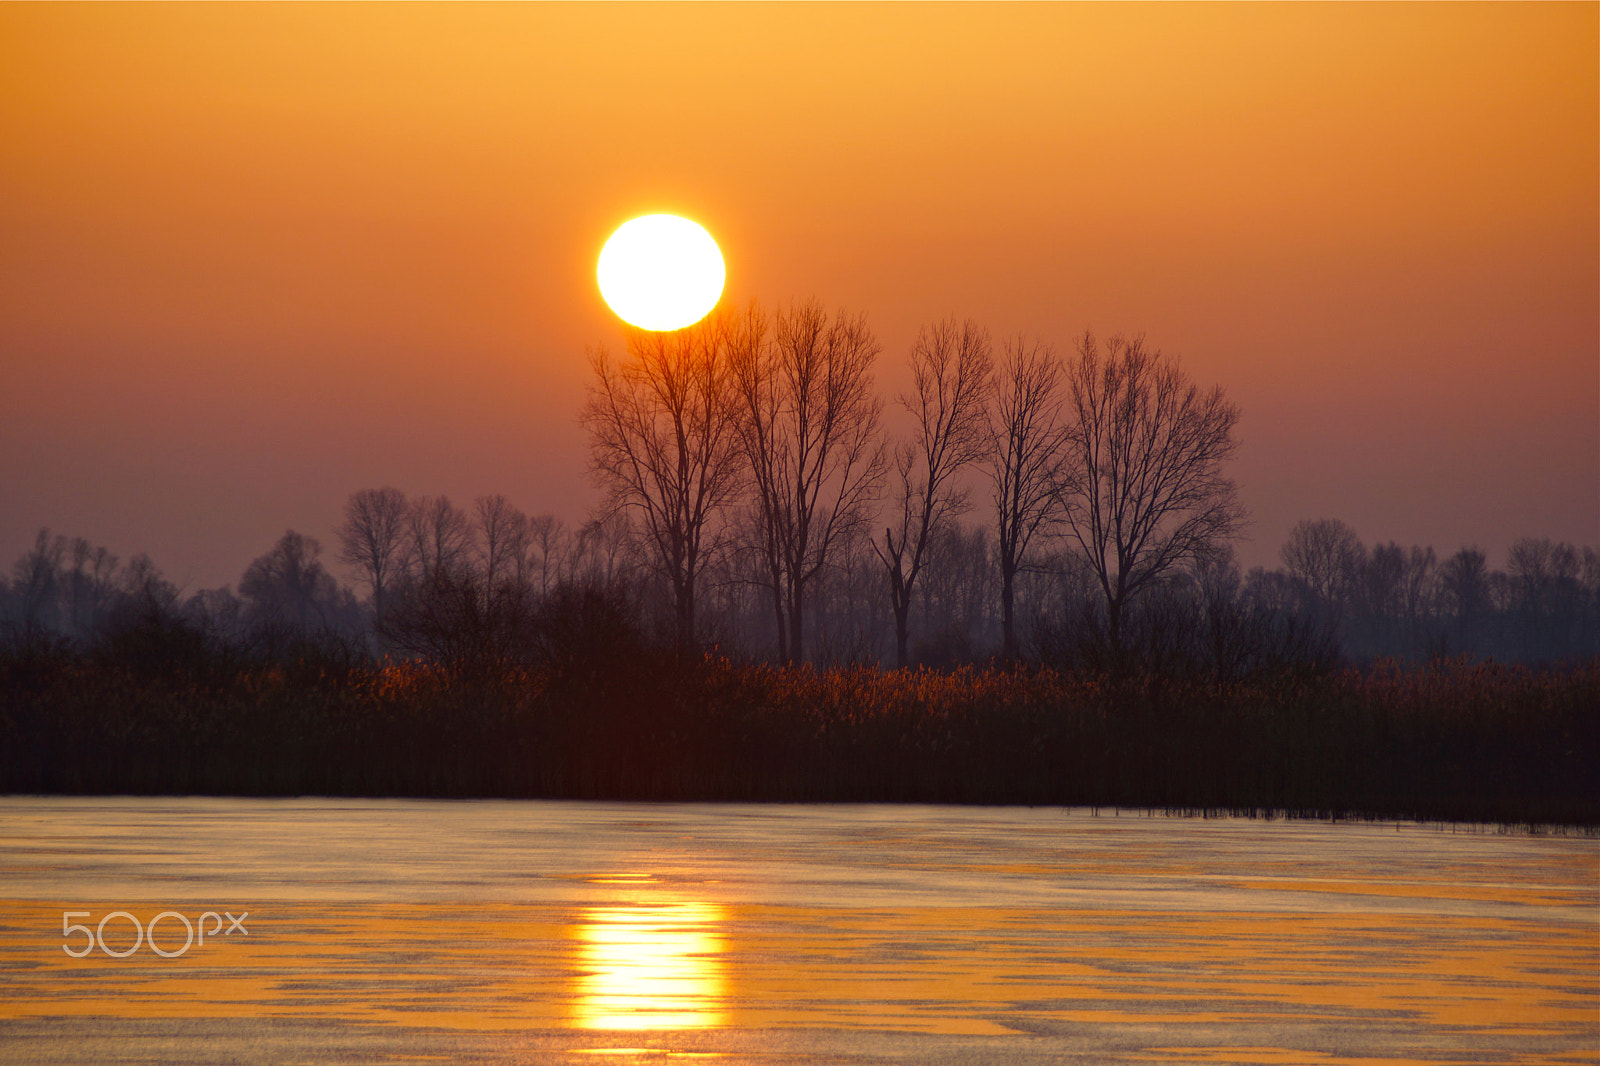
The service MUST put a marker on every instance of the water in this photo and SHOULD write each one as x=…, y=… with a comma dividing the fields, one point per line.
x=537, y=932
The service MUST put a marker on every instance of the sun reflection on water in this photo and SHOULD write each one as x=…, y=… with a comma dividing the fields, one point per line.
x=651, y=966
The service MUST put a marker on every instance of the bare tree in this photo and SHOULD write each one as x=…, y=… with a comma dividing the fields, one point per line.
x=439, y=539
x=1144, y=488
x=1025, y=463
x=372, y=538
x=811, y=427
x=74, y=588
x=851, y=615
x=38, y=578
x=1464, y=587
x=602, y=553
x=1547, y=599
x=466, y=596
x=665, y=443
x=217, y=613
x=502, y=540
x=498, y=591
x=543, y=559
x=288, y=585
x=950, y=368
x=955, y=595
x=1418, y=588
x=143, y=583
x=88, y=585
x=1326, y=558
x=1542, y=570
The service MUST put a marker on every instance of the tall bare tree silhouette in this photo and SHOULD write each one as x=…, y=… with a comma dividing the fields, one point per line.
x=950, y=368
x=1027, y=440
x=665, y=443
x=1325, y=557
x=1144, y=491
x=372, y=539
x=811, y=427
x=503, y=540
x=440, y=540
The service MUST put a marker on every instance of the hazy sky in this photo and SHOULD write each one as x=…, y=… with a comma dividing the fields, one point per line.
x=256, y=257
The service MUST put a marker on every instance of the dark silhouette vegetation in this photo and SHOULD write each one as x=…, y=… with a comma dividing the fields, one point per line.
x=1235, y=705
x=778, y=600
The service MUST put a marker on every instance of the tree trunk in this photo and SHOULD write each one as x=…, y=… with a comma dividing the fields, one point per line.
x=685, y=617
x=1114, y=635
x=902, y=612
x=796, y=643
x=778, y=619
x=1008, y=626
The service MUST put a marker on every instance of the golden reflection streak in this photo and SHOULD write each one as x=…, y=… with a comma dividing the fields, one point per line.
x=651, y=966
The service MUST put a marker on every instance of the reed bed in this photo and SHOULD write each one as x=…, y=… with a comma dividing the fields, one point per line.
x=1451, y=740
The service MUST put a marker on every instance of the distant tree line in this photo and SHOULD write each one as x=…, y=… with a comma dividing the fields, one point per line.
x=453, y=585
x=758, y=506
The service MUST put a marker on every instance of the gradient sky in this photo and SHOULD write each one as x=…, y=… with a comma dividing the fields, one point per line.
x=253, y=258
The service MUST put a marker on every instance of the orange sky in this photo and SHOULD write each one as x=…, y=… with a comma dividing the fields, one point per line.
x=257, y=257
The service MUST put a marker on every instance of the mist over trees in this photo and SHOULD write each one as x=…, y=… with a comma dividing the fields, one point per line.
x=764, y=502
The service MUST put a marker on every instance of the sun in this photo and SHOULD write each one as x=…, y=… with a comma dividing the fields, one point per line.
x=661, y=272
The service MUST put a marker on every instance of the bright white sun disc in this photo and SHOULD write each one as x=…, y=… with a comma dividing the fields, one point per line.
x=661, y=272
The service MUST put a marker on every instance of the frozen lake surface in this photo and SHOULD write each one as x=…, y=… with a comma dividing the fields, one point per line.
x=542, y=932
